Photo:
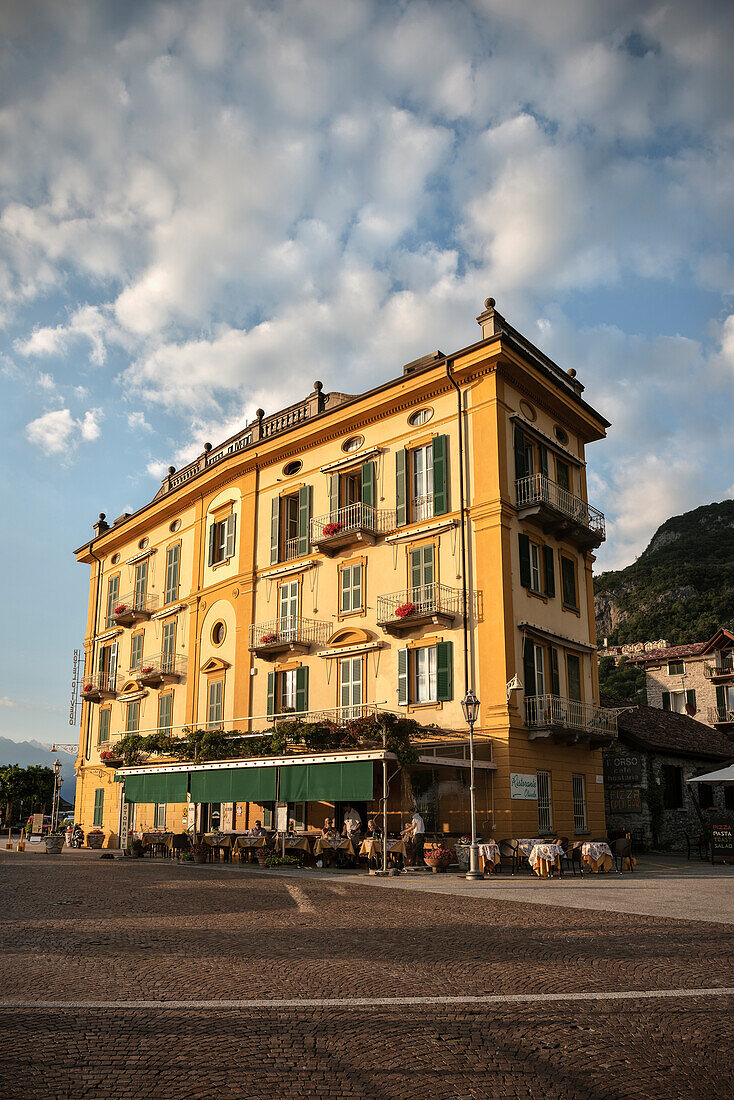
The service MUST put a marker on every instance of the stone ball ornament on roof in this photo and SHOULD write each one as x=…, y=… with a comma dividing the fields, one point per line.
x=172, y=469
x=489, y=303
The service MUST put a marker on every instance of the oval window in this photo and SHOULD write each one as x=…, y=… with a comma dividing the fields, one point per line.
x=115, y=559
x=292, y=467
x=219, y=633
x=175, y=526
x=353, y=443
x=527, y=410
x=561, y=435
x=420, y=416
x=143, y=543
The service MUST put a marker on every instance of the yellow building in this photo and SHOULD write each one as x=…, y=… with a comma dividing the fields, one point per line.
x=352, y=557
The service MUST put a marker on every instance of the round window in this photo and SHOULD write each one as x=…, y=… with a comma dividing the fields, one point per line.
x=561, y=435
x=115, y=559
x=420, y=416
x=219, y=633
x=527, y=410
x=176, y=525
x=143, y=543
x=353, y=443
x=292, y=467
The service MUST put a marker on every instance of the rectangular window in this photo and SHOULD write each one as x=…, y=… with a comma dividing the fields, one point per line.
x=351, y=695
x=136, y=651
x=173, y=555
x=578, y=784
x=132, y=718
x=289, y=528
x=165, y=712
x=104, y=725
x=113, y=593
x=545, y=805
x=288, y=600
x=535, y=567
x=222, y=539
x=287, y=701
x=563, y=475
x=141, y=583
x=350, y=598
x=98, y=806
x=422, y=578
x=268, y=808
x=539, y=669
x=425, y=667
x=422, y=482
x=159, y=821
x=215, y=704
x=675, y=701
x=676, y=668
x=425, y=674
x=672, y=787
x=568, y=581
x=168, y=646
x=297, y=813
x=107, y=667
x=573, y=668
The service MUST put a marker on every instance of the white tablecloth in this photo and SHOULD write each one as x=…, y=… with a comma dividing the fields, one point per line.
x=595, y=849
x=543, y=850
x=526, y=846
x=489, y=851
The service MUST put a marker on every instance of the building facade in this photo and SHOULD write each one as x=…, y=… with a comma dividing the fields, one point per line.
x=695, y=679
x=350, y=557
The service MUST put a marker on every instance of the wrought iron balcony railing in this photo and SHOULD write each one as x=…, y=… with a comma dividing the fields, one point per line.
x=163, y=667
x=721, y=716
x=100, y=685
x=290, y=550
x=134, y=607
x=422, y=508
x=399, y=611
x=350, y=524
x=537, y=489
x=726, y=668
x=288, y=632
x=553, y=712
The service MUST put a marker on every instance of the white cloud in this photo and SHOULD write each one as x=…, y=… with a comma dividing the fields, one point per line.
x=57, y=432
x=137, y=422
x=88, y=322
x=89, y=428
x=6, y=702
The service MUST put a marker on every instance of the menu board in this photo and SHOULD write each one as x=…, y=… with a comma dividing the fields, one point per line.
x=722, y=841
x=625, y=800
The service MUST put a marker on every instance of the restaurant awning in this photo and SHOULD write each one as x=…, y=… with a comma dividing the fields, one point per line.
x=234, y=785
x=723, y=775
x=167, y=787
x=341, y=782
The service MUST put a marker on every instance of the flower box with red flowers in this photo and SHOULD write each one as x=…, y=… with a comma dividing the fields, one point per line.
x=111, y=759
x=87, y=687
x=146, y=670
x=268, y=639
x=119, y=610
x=405, y=610
x=332, y=528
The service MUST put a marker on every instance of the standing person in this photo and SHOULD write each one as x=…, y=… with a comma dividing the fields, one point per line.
x=418, y=836
x=352, y=822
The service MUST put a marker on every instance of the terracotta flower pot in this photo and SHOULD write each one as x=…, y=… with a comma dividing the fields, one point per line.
x=199, y=857
x=437, y=865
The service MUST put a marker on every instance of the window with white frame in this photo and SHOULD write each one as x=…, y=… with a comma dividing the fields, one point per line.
x=215, y=704
x=160, y=815
x=425, y=669
x=351, y=688
x=287, y=699
x=545, y=805
x=676, y=668
x=222, y=539
x=535, y=582
x=578, y=786
x=422, y=482
x=350, y=595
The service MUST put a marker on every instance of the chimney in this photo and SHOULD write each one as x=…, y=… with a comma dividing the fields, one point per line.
x=490, y=320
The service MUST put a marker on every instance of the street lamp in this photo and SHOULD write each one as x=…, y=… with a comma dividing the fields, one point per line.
x=470, y=707
x=57, y=789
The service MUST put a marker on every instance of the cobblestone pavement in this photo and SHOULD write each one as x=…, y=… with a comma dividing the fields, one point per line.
x=117, y=930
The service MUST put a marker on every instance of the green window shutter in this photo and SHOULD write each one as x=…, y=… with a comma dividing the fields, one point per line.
x=333, y=495
x=720, y=697
x=136, y=651
x=104, y=726
x=212, y=544
x=691, y=699
x=416, y=572
x=275, y=531
x=368, y=484
x=172, y=560
x=445, y=672
x=401, y=487
x=98, y=806
x=666, y=700
x=302, y=689
x=440, y=475
x=543, y=459
x=563, y=475
x=568, y=582
x=550, y=576
x=573, y=666
x=555, y=679
x=521, y=462
x=271, y=694
x=528, y=661
x=304, y=518
x=524, y=542
x=403, y=677
x=230, y=536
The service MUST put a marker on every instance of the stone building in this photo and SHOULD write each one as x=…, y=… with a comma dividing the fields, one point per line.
x=675, y=747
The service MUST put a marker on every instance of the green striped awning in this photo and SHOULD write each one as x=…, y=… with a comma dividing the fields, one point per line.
x=166, y=787
x=341, y=782
x=233, y=785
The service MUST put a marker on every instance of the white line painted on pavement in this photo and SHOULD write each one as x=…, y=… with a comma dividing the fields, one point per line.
x=374, y=1002
x=300, y=898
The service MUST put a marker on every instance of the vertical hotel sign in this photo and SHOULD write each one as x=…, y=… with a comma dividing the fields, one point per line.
x=523, y=786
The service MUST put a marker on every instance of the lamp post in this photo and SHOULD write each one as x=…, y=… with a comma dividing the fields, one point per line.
x=470, y=707
x=57, y=789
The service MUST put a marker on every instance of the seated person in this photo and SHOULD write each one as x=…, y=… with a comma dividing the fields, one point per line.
x=328, y=830
x=257, y=829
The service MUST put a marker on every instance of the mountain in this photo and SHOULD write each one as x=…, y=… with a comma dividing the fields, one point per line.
x=681, y=587
x=33, y=752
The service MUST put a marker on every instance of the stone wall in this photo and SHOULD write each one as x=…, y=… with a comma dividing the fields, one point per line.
x=693, y=679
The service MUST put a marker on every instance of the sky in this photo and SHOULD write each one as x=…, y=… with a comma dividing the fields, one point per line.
x=206, y=206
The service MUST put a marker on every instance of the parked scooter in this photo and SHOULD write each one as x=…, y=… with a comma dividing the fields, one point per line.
x=75, y=836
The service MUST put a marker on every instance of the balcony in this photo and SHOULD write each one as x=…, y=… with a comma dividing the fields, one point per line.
x=721, y=716
x=133, y=608
x=400, y=612
x=719, y=672
x=568, y=720
x=559, y=512
x=287, y=635
x=99, y=687
x=349, y=526
x=166, y=668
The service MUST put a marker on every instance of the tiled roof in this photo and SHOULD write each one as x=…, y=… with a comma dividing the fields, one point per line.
x=722, y=639
x=669, y=654
x=667, y=731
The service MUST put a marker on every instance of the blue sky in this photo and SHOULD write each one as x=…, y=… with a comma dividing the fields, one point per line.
x=204, y=207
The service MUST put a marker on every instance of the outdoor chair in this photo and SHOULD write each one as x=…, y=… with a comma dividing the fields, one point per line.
x=509, y=851
x=701, y=844
x=179, y=844
x=622, y=850
x=563, y=841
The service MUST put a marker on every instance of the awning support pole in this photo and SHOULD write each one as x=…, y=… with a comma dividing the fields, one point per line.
x=384, y=817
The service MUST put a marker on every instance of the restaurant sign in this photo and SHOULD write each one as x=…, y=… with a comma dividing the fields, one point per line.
x=722, y=841
x=623, y=768
x=523, y=786
x=625, y=801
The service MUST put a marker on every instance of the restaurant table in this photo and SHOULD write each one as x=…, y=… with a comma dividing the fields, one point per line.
x=297, y=843
x=597, y=855
x=324, y=846
x=156, y=840
x=373, y=847
x=220, y=844
x=545, y=858
x=489, y=855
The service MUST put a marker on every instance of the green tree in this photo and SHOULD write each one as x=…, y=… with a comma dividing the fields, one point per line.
x=622, y=681
x=30, y=788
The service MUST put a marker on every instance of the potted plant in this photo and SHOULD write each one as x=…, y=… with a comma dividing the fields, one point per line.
x=55, y=841
x=274, y=860
x=332, y=528
x=268, y=639
x=263, y=855
x=110, y=759
x=438, y=859
x=200, y=852
x=462, y=852
x=119, y=610
x=405, y=610
x=95, y=838
x=137, y=849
